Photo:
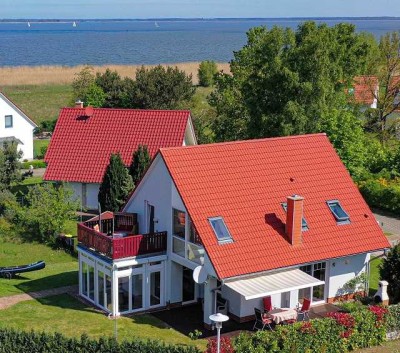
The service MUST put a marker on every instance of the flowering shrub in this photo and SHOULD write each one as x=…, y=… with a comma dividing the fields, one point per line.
x=225, y=347
x=379, y=312
x=339, y=332
x=343, y=319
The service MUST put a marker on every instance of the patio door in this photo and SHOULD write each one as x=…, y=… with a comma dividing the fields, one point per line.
x=188, y=286
x=315, y=293
x=155, y=285
x=150, y=218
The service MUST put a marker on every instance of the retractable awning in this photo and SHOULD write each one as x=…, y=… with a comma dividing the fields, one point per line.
x=268, y=284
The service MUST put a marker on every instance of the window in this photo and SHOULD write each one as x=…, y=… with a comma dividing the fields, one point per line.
x=221, y=231
x=179, y=220
x=304, y=225
x=338, y=212
x=317, y=270
x=8, y=121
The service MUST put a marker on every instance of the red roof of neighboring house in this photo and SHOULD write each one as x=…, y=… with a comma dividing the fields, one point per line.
x=80, y=148
x=365, y=89
x=245, y=182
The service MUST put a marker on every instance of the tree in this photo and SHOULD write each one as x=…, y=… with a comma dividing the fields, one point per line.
x=116, y=185
x=390, y=271
x=160, y=88
x=82, y=82
x=384, y=85
x=9, y=164
x=140, y=161
x=48, y=208
x=286, y=82
x=116, y=89
x=94, y=96
x=207, y=70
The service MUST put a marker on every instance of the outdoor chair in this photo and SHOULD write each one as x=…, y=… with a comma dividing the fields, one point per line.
x=267, y=304
x=262, y=320
x=305, y=309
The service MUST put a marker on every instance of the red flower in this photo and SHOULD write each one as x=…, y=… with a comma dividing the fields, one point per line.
x=379, y=312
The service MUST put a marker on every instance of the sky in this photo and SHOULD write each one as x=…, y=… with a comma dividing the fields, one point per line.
x=12, y=9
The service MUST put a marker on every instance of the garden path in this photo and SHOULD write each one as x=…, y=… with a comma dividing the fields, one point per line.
x=6, y=302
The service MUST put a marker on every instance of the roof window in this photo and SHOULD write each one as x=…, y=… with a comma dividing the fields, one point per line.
x=221, y=231
x=304, y=225
x=338, y=212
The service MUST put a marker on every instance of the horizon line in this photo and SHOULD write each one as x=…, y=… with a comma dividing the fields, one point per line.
x=198, y=18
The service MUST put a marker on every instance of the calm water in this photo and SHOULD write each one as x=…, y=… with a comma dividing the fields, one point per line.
x=139, y=42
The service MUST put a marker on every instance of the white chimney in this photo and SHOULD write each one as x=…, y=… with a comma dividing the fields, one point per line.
x=78, y=104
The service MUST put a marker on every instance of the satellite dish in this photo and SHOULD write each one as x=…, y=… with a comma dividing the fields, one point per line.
x=200, y=274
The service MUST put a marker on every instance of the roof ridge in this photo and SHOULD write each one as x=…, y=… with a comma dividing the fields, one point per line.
x=245, y=141
x=140, y=110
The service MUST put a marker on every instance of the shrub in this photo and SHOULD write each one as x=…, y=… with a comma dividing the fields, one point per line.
x=338, y=332
x=390, y=271
x=18, y=341
x=393, y=318
x=161, y=88
x=207, y=70
x=381, y=194
x=225, y=346
x=35, y=163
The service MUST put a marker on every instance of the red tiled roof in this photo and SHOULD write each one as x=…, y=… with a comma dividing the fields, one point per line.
x=80, y=148
x=364, y=89
x=245, y=182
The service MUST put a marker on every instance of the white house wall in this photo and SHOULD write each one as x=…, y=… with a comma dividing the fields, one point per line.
x=22, y=129
x=92, y=191
x=343, y=270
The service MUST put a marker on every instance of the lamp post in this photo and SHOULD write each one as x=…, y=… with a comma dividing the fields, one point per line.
x=218, y=318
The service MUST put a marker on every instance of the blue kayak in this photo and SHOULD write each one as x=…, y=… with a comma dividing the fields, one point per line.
x=10, y=271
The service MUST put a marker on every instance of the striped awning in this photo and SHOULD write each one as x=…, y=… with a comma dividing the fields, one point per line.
x=268, y=284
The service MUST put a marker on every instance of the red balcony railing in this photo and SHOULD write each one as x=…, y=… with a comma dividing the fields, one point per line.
x=128, y=246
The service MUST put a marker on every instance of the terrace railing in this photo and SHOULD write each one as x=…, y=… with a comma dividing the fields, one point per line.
x=121, y=247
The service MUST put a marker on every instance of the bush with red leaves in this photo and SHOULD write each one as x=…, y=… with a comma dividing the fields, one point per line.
x=225, y=347
x=379, y=312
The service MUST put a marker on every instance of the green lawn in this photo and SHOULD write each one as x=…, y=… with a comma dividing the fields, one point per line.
x=386, y=347
x=37, y=147
x=24, y=185
x=42, y=102
x=67, y=315
x=374, y=274
x=61, y=268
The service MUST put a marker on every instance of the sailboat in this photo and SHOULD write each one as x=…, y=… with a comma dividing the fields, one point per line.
x=74, y=24
x=156, y=25
x=29, y=24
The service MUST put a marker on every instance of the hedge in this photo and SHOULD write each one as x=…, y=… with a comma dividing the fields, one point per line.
x=381, y=194
x=35, y=163
x=337, y=333
x=393, y=319
x=21, y=342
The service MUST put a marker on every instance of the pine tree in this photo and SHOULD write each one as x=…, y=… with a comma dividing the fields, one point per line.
x=140, y=161
x=116, y=185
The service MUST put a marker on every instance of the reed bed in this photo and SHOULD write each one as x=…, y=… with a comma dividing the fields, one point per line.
x=43, y=75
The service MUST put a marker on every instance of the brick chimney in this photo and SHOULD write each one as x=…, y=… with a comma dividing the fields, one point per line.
x=294, y=216
x=78, y=104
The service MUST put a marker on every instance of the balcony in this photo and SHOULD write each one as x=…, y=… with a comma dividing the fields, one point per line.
x=115, y=236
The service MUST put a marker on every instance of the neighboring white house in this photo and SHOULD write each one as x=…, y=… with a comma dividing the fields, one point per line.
x=16, y=126
x=234, y=209
x=84, y=138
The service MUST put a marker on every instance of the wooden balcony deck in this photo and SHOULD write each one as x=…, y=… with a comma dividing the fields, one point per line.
x=116, y=237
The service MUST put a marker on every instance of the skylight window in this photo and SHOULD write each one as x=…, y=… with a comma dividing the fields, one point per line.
x=338, y=212
x=304, y=225
x=221, y=231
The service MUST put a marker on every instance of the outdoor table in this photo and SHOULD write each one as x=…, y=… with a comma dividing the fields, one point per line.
x=282, y=314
